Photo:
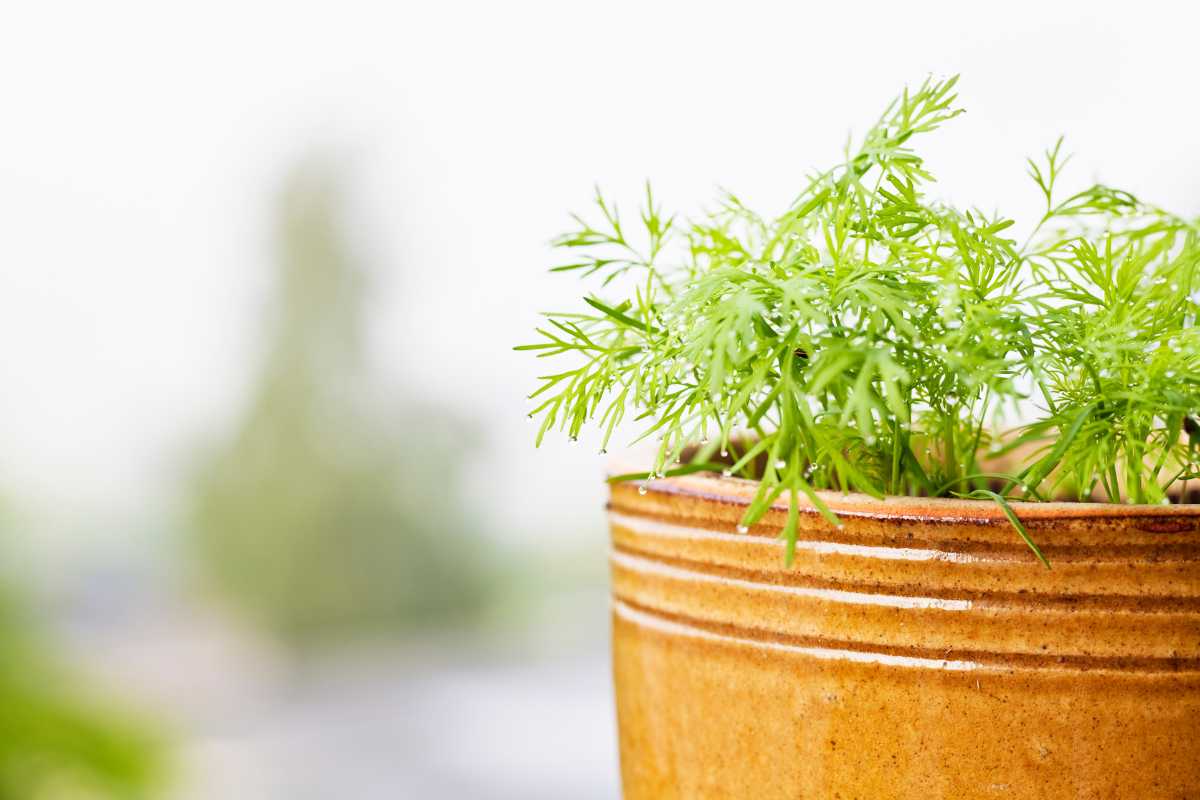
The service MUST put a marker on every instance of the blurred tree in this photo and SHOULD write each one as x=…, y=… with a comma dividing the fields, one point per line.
x=326, y=516
x=56, y=741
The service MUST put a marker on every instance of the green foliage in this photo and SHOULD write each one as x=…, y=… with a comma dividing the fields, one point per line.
x=873, y=339
x=55, y=740
x=317, y=519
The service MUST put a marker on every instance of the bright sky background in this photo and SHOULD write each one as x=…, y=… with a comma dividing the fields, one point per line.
x=141, y=146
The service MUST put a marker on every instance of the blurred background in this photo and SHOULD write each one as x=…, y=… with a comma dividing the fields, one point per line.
x=271, y=520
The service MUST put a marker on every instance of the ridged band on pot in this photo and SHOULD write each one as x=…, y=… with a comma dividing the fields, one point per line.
x=919, y=651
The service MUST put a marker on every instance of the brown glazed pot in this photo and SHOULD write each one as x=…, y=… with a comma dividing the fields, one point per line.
x=919, y=652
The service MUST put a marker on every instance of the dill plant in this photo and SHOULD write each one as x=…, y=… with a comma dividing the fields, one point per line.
x=873, y=339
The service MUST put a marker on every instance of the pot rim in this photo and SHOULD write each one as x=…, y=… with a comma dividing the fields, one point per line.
x=714, y=487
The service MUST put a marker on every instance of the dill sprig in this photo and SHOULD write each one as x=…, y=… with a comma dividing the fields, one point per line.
x=873, y=339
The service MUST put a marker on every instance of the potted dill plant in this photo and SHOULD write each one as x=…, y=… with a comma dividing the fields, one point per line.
x=916, y=525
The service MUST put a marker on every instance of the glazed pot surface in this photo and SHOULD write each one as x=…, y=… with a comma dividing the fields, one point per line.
x=919, y=651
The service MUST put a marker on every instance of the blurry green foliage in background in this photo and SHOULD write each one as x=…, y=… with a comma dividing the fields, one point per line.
x=330, y=513
x=57, y=740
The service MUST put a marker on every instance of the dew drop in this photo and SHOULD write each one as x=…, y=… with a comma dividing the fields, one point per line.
x=728, y=473
x=780, y=464
x=724, y=453
x=743, y=529
x=642, y=490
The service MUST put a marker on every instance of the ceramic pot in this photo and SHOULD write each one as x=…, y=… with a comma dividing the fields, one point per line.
x=918, y=652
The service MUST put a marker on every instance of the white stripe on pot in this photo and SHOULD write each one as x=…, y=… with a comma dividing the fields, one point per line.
x=671, y=627
x=667, y=530
x=646, y=566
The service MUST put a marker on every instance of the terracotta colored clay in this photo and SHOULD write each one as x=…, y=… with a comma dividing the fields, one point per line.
x=920, y=652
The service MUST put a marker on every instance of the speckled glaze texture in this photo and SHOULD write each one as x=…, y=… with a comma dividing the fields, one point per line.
x=919, y=652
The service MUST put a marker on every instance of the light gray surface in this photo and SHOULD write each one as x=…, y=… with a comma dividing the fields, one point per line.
x=523, y=715
x=521, y=730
